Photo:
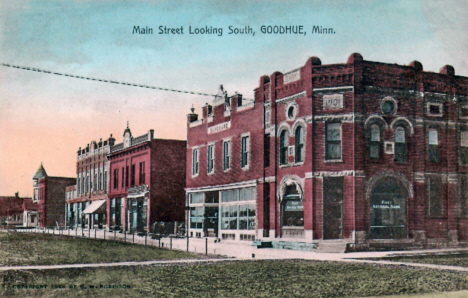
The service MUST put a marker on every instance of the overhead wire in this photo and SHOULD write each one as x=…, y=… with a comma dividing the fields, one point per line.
x=106, y=81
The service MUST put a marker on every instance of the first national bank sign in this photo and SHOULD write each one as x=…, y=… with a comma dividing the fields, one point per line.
x=219, y=127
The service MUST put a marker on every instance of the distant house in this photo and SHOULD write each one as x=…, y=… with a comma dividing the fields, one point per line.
x=30, y=213
x=49, y=194
x=11, y=210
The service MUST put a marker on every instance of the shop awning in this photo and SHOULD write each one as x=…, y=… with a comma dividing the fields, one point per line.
x=96, y=207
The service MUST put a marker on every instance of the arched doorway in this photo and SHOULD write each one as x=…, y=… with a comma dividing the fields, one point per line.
x=388, y=203
x=292, y=210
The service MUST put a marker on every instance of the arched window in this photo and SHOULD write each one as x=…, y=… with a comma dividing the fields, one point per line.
x=283, y=147
x=299, y=144
x=400, y=144
x=374, y=146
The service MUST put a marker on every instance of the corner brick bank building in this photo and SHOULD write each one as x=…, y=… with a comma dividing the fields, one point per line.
x=356, y=155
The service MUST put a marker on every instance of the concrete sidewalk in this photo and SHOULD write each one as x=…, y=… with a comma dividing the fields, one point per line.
x=245, y=250
x=117, y=264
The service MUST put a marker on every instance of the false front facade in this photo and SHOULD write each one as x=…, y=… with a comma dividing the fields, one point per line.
x=86, y=201
x=146, y=182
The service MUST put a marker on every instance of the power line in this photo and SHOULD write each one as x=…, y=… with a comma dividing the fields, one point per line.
x=106, y=81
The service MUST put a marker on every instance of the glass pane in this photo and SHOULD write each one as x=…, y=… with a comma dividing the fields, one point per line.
x=374, y=150
x=375, y=133
x=233, y=211
x=233, y=224
x=333, y=131
x=243, y=211
x=251, y=210
x=400, y=135
x=243, y=224
x=251, y=224
x=464, y=138
x=334, y=151
x=433, y=137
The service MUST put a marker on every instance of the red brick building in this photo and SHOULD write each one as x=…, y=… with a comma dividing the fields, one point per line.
x=224, y=163
x=146, y=182
x=366, y=153
x=49, y=194
x=11, y=210
x=86, y=201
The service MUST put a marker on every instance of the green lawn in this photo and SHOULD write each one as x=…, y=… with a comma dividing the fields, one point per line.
x=261, y=278
x=449, y=259
x=36, y=249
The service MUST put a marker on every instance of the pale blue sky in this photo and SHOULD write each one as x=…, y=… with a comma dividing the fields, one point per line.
x=49, y=117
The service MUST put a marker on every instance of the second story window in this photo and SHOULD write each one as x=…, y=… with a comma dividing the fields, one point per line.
x=142, y=173
x=333, y=141
x=132, y=180
x=123, y=177
x=116, y=178
x=266, y=151
x=433, y=146
x=464, y=147
x=400, y=145
x=226, y=155
x=105, y=181
x=299, y=144
x=374, y=145
x=210, y=159
x=283, y=148
x=126, y=176
x=195, y=162
x=245, y=144
x=95, y=182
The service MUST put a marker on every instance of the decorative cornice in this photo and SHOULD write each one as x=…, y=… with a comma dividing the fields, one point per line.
x=222, y=186
x=291, y=97
x=321, y=174
x=333, y=89
x=339, y=117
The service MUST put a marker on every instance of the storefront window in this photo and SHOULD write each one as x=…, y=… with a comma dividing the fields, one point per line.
x=238, y=217
x=196, y=217
x=196, y=198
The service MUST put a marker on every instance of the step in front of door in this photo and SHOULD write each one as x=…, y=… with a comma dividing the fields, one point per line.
x=332, y=246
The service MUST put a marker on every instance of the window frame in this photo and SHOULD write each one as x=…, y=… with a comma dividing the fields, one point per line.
x=210, y=158
x=329, y=143
x=403, y=146
x=299, y=144
x=245, y=151
x=195, y=161
x=266, y=150
x=463, y=147
x=226, y=155
x=433, y=150
x=377, y=144
x=441, y=109
x=142, y=174
x=283, y=148
x=116, y=178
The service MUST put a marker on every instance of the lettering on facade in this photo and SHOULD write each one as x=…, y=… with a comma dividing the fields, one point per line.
x=292, y=76
x=219, y=127
x=333, y=102
x=386, y=205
